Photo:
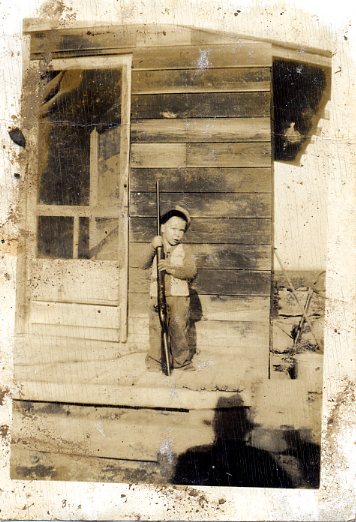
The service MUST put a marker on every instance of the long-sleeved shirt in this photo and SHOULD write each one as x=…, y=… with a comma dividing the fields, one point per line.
x=182, y=264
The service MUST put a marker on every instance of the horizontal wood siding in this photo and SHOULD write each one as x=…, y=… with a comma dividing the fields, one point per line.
x=201, y=105
x=219, y=230
x=213, y=307
x=201, y=130
x=201, y=125
x=207, y=205
x=214, y=281
x=203, y=57
x=208, y=80
x=202, y=179
x=170, y=155
x=231, y=256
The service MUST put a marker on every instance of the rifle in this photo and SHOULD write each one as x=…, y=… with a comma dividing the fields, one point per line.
x=161, y=293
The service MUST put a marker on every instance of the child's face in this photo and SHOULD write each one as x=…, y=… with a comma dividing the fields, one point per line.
x=173, y=230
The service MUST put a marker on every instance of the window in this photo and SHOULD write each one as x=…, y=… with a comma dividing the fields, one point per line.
x=79, y=164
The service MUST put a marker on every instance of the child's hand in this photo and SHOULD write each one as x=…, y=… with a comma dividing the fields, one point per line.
x=157, y=241
x=164, y=266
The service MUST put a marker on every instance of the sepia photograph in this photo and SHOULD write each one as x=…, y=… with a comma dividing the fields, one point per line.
x=176, y=253
x=160, y=336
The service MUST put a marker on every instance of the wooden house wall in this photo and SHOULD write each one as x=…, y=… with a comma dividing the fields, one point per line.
x=214, y=155
x=200, y=123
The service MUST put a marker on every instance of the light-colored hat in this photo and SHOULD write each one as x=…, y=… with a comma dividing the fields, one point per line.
x=179, y=211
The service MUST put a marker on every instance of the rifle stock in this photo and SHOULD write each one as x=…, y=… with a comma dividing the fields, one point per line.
x=161, y=294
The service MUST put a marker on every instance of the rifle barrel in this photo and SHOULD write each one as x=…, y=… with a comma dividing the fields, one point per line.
x=158, y=208
x=161, y=297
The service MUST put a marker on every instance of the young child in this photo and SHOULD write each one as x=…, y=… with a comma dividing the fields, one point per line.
x=179, y=268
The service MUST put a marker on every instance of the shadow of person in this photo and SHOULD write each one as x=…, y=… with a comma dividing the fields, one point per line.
x=196, y=314
x=308, y=456
x=230, y=461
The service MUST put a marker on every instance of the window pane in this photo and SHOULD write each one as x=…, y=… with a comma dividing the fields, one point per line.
x=98, y=238
x=55, y=236
x=74, y=103
x=83, y=243
x=109, y=168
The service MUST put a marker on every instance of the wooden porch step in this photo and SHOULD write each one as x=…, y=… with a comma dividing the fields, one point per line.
x=27, y=464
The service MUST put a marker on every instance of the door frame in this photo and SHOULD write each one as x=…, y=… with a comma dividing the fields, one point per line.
x=33, y=208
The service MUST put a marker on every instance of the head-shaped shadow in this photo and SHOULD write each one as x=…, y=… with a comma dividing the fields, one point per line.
x=230, y=460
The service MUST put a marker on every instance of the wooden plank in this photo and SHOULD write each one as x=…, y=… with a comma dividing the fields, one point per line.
x=102, y=432
x=55, y=41
x=128, y=39
x=202, y=180
x=250, y=257
x=171, y=155
x=204, y=205
x=51, y=350
x=301, y=55
x=240, y=54
x=143, y=397
x=212, y=307
x=123, y=173
x=204, y=57
x=76, y=211
x=206, y=36
x=162, y=35
x=90, y=62
x=73, y=314
x=200, y=105
x=233, y=282
x=75, y=237
x=93, y=171
x=209, y=230
x=42, y=465
x=224, y=256
x=82, y=332
x=242, y=337
x=104, y=37
x=251, y=348
x=69, y=281
x=221, y=282
x=158, y=155
x=229, y=154
x=212, y=331
x=110, y=39
x=202, y=130
x=200, y=80
x=202, y=345
x=109, y=36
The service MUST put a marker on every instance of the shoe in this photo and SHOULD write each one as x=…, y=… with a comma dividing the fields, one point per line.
x=188, y=368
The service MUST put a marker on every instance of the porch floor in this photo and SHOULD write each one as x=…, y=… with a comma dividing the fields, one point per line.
x=213, y=372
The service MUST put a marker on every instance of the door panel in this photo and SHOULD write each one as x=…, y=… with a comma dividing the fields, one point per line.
x=76, y=273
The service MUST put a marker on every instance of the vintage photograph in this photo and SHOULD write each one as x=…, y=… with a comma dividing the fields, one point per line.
x=161, y=335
